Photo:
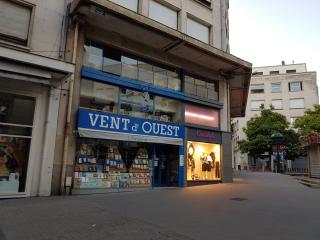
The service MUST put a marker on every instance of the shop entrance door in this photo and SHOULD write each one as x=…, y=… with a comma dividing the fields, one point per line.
x=166, y=169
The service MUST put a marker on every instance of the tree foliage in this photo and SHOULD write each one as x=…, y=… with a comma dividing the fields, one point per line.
x=309, y=122
x=259, y=130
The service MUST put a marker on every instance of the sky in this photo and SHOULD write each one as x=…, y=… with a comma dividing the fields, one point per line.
x=265, y=32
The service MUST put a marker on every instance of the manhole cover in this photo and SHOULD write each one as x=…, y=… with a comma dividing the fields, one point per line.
x=238, y=199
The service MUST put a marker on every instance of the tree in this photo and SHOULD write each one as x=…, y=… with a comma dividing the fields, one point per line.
x=309, y=122
x=259, y=130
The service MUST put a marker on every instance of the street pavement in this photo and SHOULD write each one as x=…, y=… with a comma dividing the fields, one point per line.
x=256, y=206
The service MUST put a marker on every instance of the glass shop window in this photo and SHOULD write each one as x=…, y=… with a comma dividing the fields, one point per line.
x=136, y=104
x=99, y=96
x=110, y=164
x=203, y=161
x=167, y=110
x=16, y=124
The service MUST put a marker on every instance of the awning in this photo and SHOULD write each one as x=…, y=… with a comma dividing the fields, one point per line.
x=137, y=34
x=31, y=67
x=90, y=133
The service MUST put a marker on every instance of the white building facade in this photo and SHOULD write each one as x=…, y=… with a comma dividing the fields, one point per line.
x=31, y=76
x=289, y=88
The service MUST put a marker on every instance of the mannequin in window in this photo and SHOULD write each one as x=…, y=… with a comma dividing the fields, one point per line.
x=191, y=162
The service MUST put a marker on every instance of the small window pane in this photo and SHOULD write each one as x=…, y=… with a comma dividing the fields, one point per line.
x=291, y=71
x=15, y=21
x=112, y=61
x=136, y=104
x=163, y=14
x=274, y=72
x=296, y=103
x=129, y=68
x=167, y=110
x=255, y=105
x=197, y=30
x=93, y=56
x=130, y=4
x=99, y=96
x=257, y=88
x=295, y=86
x=160, y=77
x=15, y=109
x=277, y=104
x=145, y=72
x=275, y=87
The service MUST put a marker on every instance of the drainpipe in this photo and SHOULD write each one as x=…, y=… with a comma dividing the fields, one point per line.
x=63, y=30
x=68, y=120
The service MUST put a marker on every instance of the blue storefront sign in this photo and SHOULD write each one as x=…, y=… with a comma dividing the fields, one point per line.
x=119, y=127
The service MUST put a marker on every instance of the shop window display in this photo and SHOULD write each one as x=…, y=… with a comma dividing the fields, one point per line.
x=136, y=104
x=203, y=161
x=112, y=164
x=16, y=120
x=167, y=110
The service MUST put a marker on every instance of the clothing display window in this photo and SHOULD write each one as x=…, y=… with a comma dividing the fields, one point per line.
x=112, y=164
x=16, y=122
x=203, y=160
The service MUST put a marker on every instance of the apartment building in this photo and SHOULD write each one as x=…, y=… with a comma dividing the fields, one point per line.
x=153, y=92
x=289, y=88
x=31, y=75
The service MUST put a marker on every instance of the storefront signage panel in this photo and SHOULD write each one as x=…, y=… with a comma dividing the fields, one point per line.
x=204, y=135
x=102, y=121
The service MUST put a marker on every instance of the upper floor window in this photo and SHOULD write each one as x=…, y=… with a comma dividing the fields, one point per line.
x=15, y=19
x=275, y=87
x=274, y=72
x=257, y=88
x=291, y=71
x=277, y=104
x=259, y=73
x=132, y=4
x=201, y=88
x=296, y=103
x=163, y=14
x=256, y=104
x=114, y=61
x=198, y=30
x=295, y=86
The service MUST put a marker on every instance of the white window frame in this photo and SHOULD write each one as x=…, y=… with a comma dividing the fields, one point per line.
x=171, y=11
x=7, y=39
x=291, y=101
x=295, y=89
x=258, y=107
x=133, y=6
x=254, y=87
x=273, y=84
x=275, y=105
x=198, y=24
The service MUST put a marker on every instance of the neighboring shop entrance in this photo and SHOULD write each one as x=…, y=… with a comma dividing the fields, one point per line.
x=166, y=169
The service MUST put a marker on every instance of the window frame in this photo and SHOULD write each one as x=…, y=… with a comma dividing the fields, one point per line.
x=272, y=89
x=290, y=101
x=168, y=6
x=300, y=86
x=275, y=106
x=256, y=109
x=9, y=40
x=200, y=22
x=257, y=90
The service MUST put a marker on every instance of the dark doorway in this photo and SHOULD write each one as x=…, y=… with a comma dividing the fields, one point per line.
x=166, y=169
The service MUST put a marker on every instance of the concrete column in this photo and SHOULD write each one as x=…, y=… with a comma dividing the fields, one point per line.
x=49, y=143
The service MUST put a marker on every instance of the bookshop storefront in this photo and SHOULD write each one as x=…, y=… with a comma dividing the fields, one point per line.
x=127, y=139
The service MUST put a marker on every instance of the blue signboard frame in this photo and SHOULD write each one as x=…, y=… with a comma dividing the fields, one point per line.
x=102, y=121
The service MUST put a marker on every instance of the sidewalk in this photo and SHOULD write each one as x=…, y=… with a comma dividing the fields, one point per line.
x=257, y=206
